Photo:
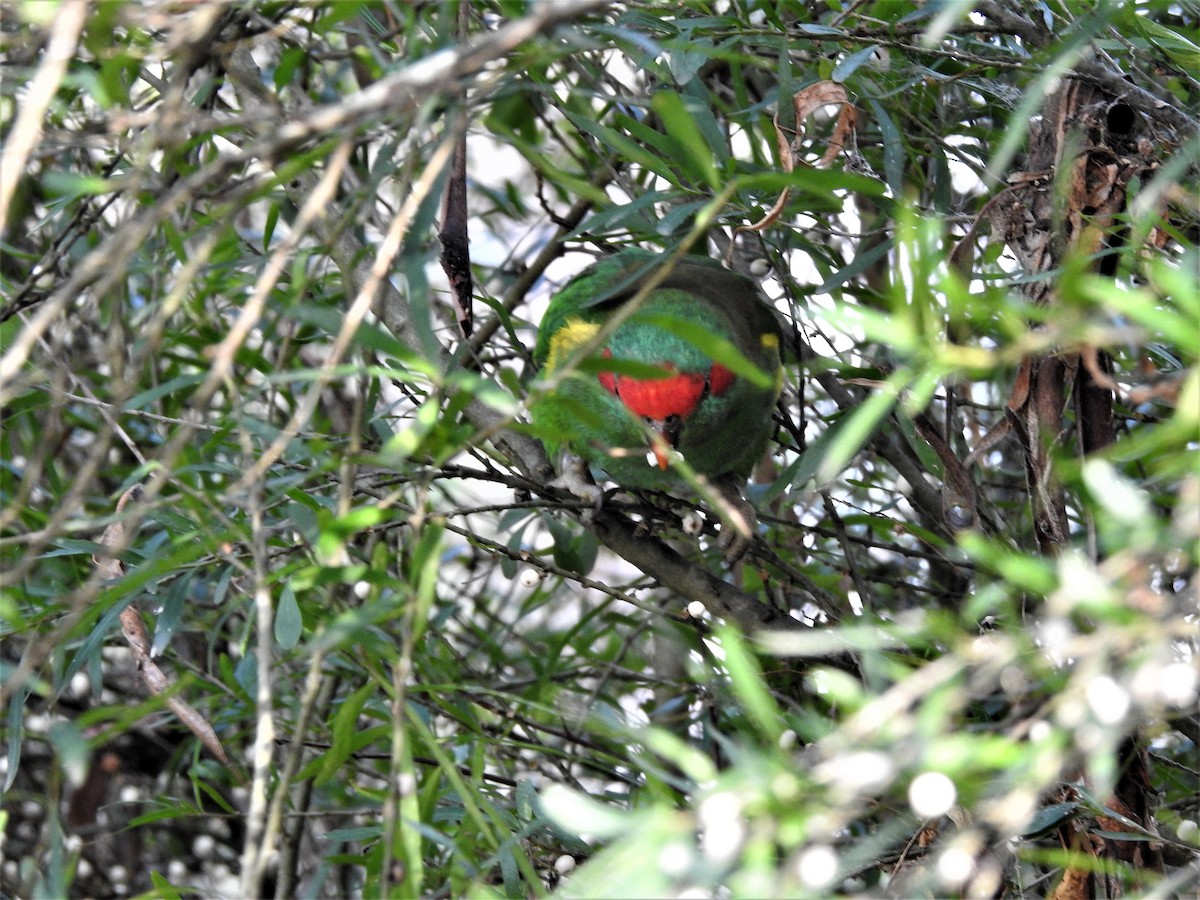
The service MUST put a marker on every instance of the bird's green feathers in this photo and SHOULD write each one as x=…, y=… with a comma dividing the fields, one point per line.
x=701, y=343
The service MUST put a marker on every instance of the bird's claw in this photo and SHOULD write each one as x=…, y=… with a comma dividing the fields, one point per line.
x=738, y=521
x=577, y=481
x=733, y=544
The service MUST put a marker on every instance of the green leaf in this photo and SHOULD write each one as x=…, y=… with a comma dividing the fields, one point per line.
x=1183, y=52
x=269, y=226
x=1049, y=818
x=290, y=60
x=164, y=889
x=746, y=678
x=716, y=347
x=178, y=809
x=818, y=30
x=893, y=149
x=630, y=150
x=514, y=114
x=363, y=833
x=74, y=751
x=686, y=60
x=680, y=125
x=15, y=730
x=856, y=267
x=99, y=632
x=170, y=617
x=147, y=397
x=289, y=624
x=853, y=432
x=343, y=733
x=639, y=211
x=850, y=64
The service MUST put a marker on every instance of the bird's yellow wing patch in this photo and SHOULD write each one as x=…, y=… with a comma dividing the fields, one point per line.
x=771, y=342
x=565, y=341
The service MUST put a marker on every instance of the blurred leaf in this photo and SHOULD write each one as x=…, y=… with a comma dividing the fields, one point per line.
x=849, y=65
x=289, y=624
x=680, y=125
x=853, y=432
x=717, y=348
x=72, y=750
x=163, y=237
x=71, y=185
x=343, y=731
x=746, y=679
x=1185, y=53
x=170, y=615
x=579, y=814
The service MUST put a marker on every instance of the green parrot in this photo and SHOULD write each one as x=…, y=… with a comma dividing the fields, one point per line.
x=650, y=383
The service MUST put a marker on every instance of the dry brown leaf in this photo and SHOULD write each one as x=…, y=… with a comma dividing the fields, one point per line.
x=1020, y=389
x=134, y=630
x=805, y=103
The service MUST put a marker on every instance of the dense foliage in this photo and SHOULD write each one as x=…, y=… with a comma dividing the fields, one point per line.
x=254, y=477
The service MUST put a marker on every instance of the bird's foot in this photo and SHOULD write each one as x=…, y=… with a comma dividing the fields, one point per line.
x=738, y=519
x=577, y=480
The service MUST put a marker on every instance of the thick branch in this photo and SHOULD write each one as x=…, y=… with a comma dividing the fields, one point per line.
x=688, y=580
x=1103, y=73
x=1097, y=69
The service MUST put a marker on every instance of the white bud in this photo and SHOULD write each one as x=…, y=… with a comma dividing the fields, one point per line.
x=203, y=846
x=564, y=864
x=1108, y=700
x=1178, y=684
x=818, y=867
x=931, y=794
x=955, y=866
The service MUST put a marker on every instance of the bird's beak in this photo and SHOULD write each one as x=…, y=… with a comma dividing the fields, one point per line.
x=660, y=450
x=666, y=439
x=660, y=454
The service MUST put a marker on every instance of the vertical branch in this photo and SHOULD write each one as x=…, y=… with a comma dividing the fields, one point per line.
x=27, y=131
x=1030, y=220
x=1083, y=156
x=316, y=688
x=456, y=247
x=257, y=849
x=1037, y=421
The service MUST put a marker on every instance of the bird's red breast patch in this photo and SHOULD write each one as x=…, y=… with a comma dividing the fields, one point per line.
x=675, y=395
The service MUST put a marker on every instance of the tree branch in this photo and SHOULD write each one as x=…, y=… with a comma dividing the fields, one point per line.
x=1098, y=69
x=685, y=578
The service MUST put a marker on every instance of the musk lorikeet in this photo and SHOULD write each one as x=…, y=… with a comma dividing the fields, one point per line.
x=694, y=367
